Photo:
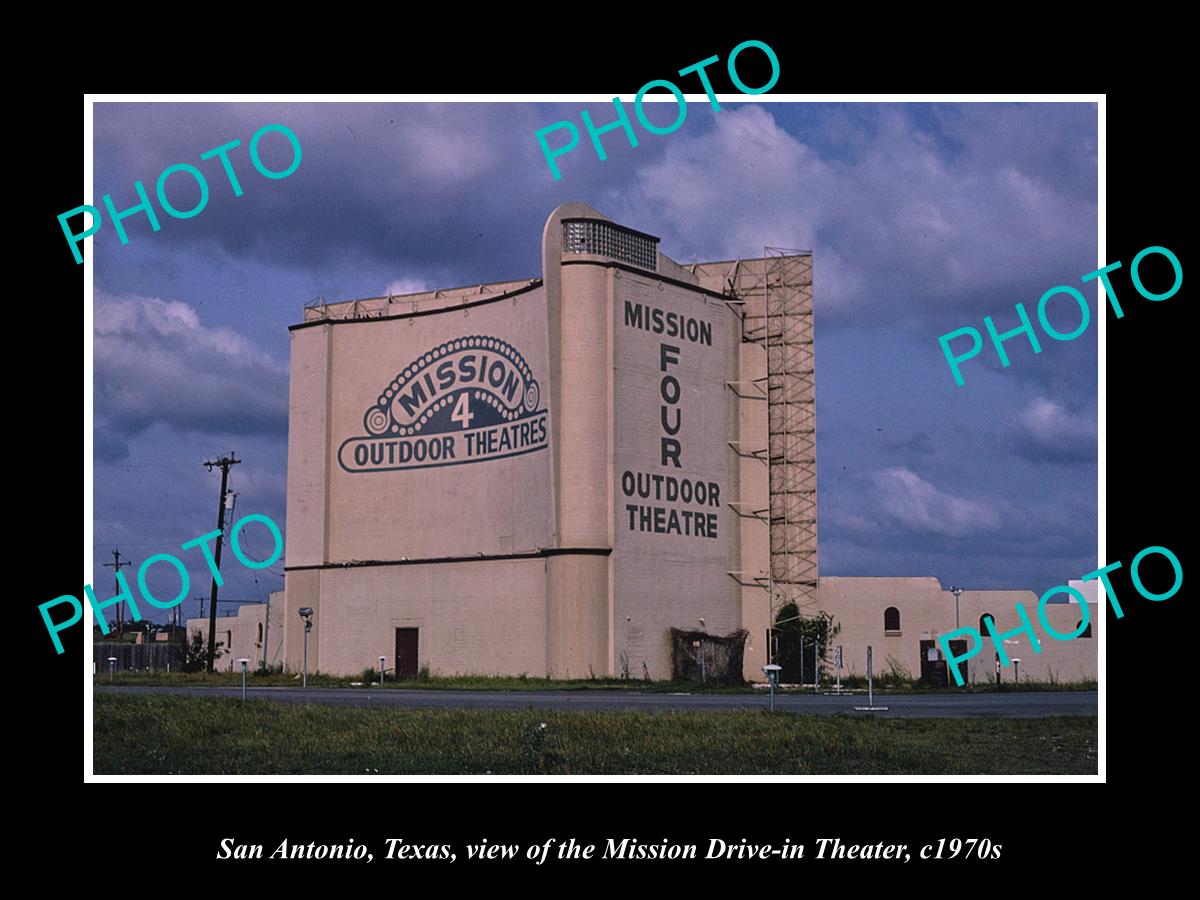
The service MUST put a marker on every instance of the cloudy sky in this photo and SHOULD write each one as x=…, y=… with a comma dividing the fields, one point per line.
x=922, y=219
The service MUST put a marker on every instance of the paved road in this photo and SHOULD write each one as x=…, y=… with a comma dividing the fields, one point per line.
x=1018, y=705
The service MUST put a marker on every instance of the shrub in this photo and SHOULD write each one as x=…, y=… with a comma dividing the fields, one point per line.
x=195, y=653
x=897, y=674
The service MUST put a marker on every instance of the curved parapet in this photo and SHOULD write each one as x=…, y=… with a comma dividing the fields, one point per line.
x=578, y=582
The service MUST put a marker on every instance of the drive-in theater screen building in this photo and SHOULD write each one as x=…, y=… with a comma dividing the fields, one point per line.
x=548, y=476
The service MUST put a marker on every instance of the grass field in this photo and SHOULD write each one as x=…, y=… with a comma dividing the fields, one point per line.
x=160, y=734
x=527, y=683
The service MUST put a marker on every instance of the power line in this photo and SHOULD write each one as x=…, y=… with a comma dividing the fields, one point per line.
x=247, y=543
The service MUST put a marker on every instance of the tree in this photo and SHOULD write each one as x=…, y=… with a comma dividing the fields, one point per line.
x=195, y=653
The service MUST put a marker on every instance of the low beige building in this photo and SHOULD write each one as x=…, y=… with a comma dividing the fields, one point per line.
x=546, y=476
x=248, y=634
x=901, y=619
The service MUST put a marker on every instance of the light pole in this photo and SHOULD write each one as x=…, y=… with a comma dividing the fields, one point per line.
x=772, y=671
x=957, y=592
x=306, y=614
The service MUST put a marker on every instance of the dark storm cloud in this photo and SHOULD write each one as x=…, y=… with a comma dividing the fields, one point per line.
x=108, y=445
x=923, y=211
x=437, y=187
x=897, y=521
x=156, y=362
x=911, y=446
x=903, y=229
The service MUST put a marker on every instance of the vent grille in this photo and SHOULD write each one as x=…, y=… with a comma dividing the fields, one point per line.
x=607, y=239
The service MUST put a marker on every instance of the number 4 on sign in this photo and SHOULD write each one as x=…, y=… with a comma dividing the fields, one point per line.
x=462, y=410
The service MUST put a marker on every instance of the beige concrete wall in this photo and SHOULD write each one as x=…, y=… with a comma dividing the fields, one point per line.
x=349, y=385
x=301, y=589
x=576, y=619
x=308, y=446
x=578, y=588
x=583, y=491
x=672, y=574
x=483, y=617
x=1072, y=660
x=493, y=503
x=927, y=611
x=276, y=633
x=245, y=634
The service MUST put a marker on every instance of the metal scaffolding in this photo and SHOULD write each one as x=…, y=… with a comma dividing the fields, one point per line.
x=773, y=296
x=791, y=427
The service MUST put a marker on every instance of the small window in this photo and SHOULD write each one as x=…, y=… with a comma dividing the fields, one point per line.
x=1087, y=632
x=259, y=639
x=229, y=641
x=983, y=628
x=891, y=620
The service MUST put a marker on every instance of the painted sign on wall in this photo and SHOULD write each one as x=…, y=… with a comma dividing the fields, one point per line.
x=677, y=504
x=469, y=399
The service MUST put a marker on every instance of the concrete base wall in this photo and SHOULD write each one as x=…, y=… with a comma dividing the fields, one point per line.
x=484, y=617
x=927, y=611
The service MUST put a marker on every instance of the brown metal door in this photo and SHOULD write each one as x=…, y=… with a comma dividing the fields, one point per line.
x=933, y=671
x=937, y=671
x=406, y=652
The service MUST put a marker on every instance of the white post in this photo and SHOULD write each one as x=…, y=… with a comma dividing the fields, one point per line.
x=870, y=681
x=381, y=661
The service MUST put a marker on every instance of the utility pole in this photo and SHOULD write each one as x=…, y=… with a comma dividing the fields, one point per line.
x=116, y=565
x=223, y=464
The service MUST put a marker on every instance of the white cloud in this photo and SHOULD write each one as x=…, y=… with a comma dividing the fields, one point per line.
x=157, y=362
x=902, y=219
x=1051, y=430
x=914, y=502
x=402, y=286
